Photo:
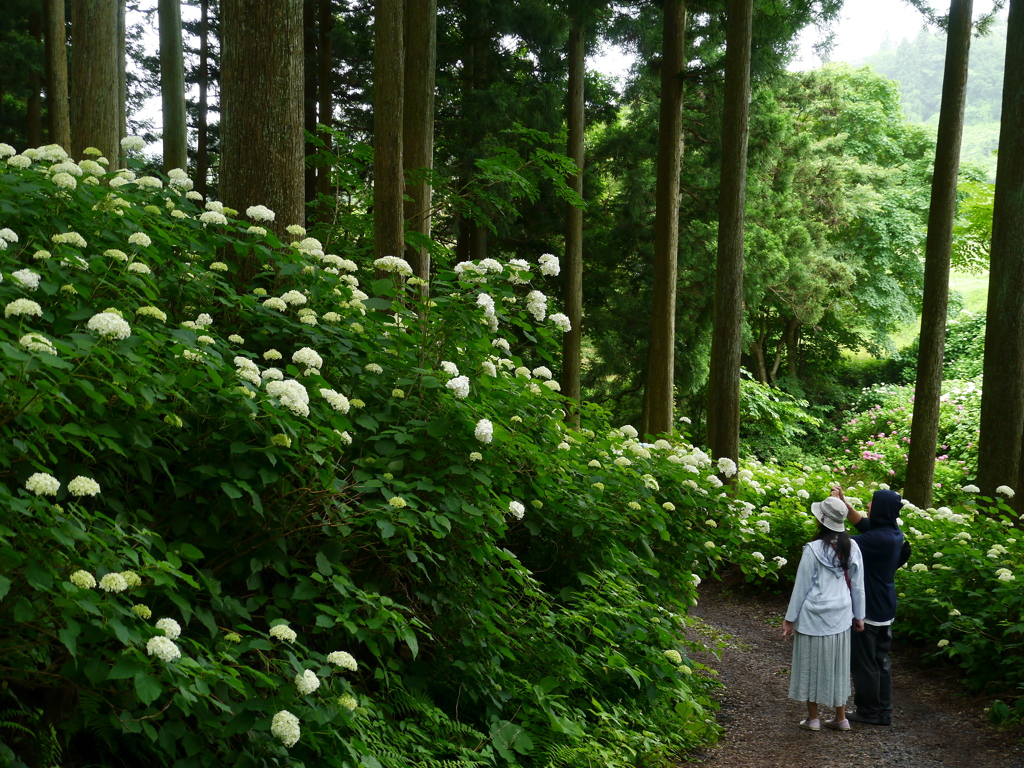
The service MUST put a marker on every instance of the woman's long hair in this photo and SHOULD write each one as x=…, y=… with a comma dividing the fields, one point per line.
x=838, y=541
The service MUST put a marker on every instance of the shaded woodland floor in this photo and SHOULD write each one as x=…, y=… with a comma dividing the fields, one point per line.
x=936, y=723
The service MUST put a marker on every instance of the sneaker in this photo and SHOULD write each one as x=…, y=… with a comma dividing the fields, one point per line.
x=837, y=725
x=859, y=718
x=811, y=725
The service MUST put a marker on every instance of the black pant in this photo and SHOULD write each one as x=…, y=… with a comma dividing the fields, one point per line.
x=872, y=677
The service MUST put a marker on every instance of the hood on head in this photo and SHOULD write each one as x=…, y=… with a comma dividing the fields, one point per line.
x=885, y=508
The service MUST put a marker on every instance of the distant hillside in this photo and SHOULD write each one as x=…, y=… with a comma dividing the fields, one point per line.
x=917, y=66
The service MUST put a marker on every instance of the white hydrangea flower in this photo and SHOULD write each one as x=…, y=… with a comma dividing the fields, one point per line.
x=393, y=264
x=132, y=579
x=6, y=150
x=537, y=305
x=306, y=682
x=163, y=648
x=64, y=181
x=337, y=401
x=549, y=264
x=295, y=229
x=309, y=358
x=283, y=632
x=484, y=431
x=285, y=725
x=561, y=322
x=542, y=372
x=140, y=238
x=342, y=659
x=272, y=354
x=971, y=489
x=459, y=386
x=215, y=206
x=295, y=298
x=109, y=326
x=36, y=342
x=291, y=394
x=170, y=628
x=260, y=213
x=113, y=582
x=1006, y=490
x=132, y=143
x=275, y=303
x=213, y=217
x=82, y=580
x=20, y=307
x=476, y=456
x=516, y=509
x=83, y=486
x=71, y=238
x=489, y=368
x=763, y=526
x=19, y=161
x=42, y=484
x=450, y=368
x=139, y=268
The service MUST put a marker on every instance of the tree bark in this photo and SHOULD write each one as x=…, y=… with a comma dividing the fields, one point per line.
x=325, y=85
x=202, y=132
x=57, y=105
x=420, y=26
x=261, y=109
x=724, y=381
x=34, y=116
x=95, y=78
x=122, y=82
x=172, y=85
x=924, y=428
x=660, y=386
x=388, y=97
x=1002, y=400
x=310, y=95
x=573, y=265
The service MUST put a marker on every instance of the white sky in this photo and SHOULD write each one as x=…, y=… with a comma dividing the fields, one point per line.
x=860, y=30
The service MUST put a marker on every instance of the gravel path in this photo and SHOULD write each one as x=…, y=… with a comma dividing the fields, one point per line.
x=935, y=724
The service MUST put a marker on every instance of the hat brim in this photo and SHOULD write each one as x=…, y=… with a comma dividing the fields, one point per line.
x=832, y=525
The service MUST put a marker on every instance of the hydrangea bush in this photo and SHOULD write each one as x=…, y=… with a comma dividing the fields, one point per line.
x=309, y=517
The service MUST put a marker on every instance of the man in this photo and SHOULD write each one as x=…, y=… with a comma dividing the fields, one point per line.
x=884, y=550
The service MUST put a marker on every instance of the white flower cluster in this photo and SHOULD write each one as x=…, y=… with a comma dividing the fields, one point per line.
x=291, y=394
x=393, y=264
x=170, y=628
x=1005, y=574
x=459, y=386
x=36, y=342
x=23, y=307
x=83, y=486
x=484, y=431
x=283, y=632
x=285, y=727
x=1006, y=490
x=537, y=305
x=549, y=264
x=516, y=509
x=42, y=484
x=109, y=326
x=337, y=401
x=26, y=278
x=561, y=321
x=309, y=358
x=163, y=648
x=113, y=582
x=306, y=682
x=132, y=144
x=82, y=579
x=343, y=659
x=140, y=238
x=260, y=213
x=490, y=317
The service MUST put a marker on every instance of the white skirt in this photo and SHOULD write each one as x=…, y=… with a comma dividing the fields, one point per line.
x=821, y=669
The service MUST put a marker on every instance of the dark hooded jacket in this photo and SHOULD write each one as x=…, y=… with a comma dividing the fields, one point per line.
x=881, y=543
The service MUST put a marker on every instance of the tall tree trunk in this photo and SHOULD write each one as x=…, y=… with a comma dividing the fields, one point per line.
x=924, y=428
x=388, y=87
x=724, y=381
x=172, y=85
x=420, y=26
x=310, y=97
x=95, y=78
x=325, y=85
x=659, y=391
x=261, y=108
x=573, y=266
x=1002, y=399
x=57, y=105
x=34, y=122
x=792, y=339
x=122, y=80
x=202, y=131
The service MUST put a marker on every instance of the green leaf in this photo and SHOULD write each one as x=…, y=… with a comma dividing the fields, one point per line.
x=409, y=637
x=5, y=586
x=323, y=564
x=231, y=490
x=148, y=688
x=127, y=666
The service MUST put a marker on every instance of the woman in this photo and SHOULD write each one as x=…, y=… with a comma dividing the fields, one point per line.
x=828, y=596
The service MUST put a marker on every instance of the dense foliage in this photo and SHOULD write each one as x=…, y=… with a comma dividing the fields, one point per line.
x=367, y=513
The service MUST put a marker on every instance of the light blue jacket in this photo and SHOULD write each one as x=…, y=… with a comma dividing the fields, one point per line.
x=821, y=603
